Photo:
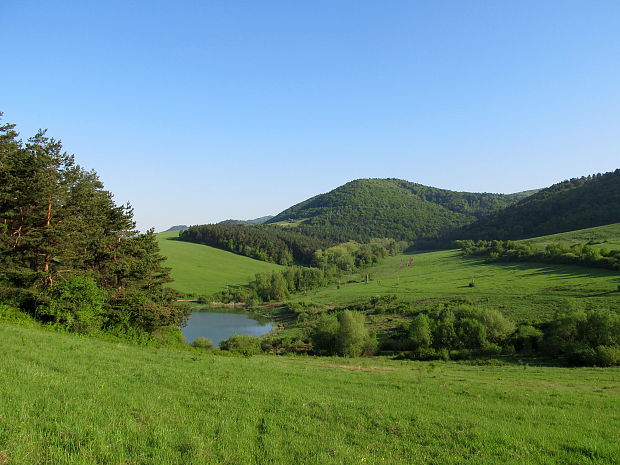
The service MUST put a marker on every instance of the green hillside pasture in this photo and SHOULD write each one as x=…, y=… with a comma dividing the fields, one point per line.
x=202, y=270
x=66, y=400
x=523, y=291
x=607, y=237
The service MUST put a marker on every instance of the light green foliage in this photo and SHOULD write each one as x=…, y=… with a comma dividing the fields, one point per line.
x=9, y=313
x=77, y=304
x=242, y=344
x=202, y=270
x=498, y=327
x=66, y=400
x=353, y=338
x=591, y=338
x=270, y=286
x=344, y=334
x=420, y=333
x=203, y=343
x=554, y=252
x=324, y=334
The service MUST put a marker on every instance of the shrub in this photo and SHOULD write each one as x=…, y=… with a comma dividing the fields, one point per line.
x=601, y=356
x=425, y=353
x=498, y=327
x=600, y=328
x=420, y=335
x=14, y=315
x=607, y=356
x=241, y=344
x=76, y=304
x=353, y=338
x=345, y=335
x=324, y=334
x=527, y=339
x=203, y=343
x=472, y=334
x=169, y=336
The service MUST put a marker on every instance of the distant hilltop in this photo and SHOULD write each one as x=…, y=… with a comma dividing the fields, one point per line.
x=178, y=227
x=261, y=220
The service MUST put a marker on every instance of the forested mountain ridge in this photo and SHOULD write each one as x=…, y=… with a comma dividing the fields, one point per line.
x=178, y=227
x=366, y=208
x=574, y=204
x=261, y=220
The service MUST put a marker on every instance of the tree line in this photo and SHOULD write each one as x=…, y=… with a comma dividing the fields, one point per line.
x=267, y=243
x=328, y=266
x=578, y=337
x=71, y=257
x=279, y=245
x=558, y=252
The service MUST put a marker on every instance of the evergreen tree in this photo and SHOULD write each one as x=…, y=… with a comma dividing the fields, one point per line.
x=58, y=223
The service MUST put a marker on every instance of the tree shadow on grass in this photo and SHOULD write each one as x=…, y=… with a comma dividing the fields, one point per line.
x=561, y=271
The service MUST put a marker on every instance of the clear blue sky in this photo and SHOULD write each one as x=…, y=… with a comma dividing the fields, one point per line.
x=198, y=111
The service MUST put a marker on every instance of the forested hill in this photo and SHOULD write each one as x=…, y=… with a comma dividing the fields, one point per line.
x=366, y=208
x=178, y=227
x=261, y=220
x=575, y=204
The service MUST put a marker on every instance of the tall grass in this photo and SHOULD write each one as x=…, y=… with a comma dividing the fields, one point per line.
x=69, y=400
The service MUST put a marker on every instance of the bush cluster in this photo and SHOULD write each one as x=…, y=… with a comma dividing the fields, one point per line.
x=559, y=252
x=463, y=331
x=343, y=334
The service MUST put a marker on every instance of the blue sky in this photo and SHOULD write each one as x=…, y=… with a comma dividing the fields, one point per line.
x=198, y=111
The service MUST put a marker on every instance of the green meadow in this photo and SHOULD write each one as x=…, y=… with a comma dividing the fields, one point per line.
x=201, y=270
x=523, y=291
x=607, y=236
x=70, y=400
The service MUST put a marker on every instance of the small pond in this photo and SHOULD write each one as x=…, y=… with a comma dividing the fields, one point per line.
x=219, y=326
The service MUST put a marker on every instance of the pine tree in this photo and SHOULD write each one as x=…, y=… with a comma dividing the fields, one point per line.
x=57, y=222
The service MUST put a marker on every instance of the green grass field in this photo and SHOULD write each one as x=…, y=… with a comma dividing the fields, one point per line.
x=202, y=270
x=69, y=400
x=523, y=291
x=602, y=236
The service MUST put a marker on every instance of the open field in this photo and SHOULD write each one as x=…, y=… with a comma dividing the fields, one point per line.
x=67, y=400
x=607, y=236
x=201, y=270
x=523, y=291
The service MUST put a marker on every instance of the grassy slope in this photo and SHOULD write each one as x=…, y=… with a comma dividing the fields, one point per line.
x=523, y=291
x=607, y=237
x=200, y=269
x=66, y=400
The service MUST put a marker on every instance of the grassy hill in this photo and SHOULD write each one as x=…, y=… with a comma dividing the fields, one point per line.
x=567, y=206
x=366, y=208
x=607, y=237
x=68, y=400
x=201, y=270
x=523, y=291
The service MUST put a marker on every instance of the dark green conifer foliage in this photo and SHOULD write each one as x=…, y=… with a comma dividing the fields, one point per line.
x=57, y=223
